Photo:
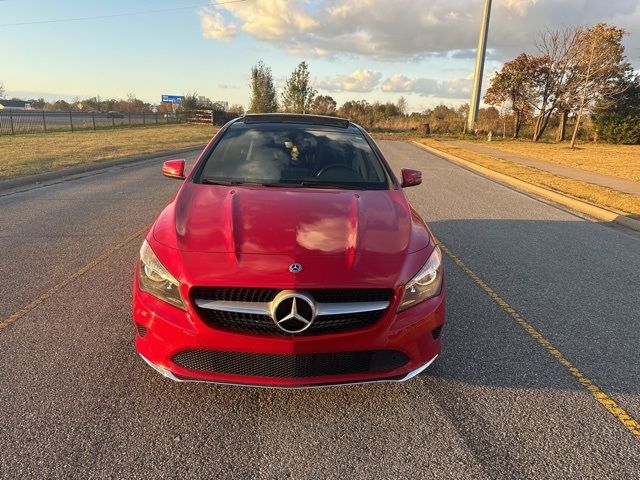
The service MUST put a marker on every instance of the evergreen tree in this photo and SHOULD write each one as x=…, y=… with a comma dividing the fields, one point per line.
x=618, y=121
x=263, y=93
x=298, y=93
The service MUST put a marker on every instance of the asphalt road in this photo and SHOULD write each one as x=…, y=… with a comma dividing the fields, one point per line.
x=76, y=401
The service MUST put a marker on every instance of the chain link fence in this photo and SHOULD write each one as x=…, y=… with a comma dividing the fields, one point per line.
x=17, y=122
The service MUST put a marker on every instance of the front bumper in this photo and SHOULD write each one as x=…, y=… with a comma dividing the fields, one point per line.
x=168, y=374
x=163, y=331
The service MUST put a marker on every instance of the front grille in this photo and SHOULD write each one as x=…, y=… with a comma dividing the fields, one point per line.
x=348, y=295
x=237, y=294
x=290, y=366
x=261, y=295
x=263, y=324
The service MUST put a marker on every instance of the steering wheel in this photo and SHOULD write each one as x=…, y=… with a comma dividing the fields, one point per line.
x=335, y=166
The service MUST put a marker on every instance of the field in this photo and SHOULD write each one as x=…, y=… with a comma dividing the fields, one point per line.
x=595, y=156
x=29, y=154
x=618, y=160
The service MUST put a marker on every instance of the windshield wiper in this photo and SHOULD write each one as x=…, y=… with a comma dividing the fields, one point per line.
x=311, y=184
x=210, y=181
x=341, y=186
x=301, y=184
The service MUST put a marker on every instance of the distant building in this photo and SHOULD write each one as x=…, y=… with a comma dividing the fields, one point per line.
x=14, y=105
x=204, y=101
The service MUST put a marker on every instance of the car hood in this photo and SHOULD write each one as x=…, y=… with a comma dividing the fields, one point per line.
x=295, y=222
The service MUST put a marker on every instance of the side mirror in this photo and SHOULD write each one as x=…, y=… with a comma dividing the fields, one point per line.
x=173, y=169
x=411, y=178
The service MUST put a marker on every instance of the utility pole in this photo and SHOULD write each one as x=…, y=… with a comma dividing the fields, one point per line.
x=477, y=77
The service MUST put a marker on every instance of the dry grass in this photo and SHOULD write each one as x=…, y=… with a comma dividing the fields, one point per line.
x=399, y=135
x=28, y=154
x=619, y=202
x=618, y=160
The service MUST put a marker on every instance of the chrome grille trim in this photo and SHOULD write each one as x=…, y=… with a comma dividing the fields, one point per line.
x=255, y=308
x=323, y=309
x=352, y=307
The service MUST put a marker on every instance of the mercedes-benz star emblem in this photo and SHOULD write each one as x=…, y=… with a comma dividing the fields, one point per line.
x=295, y=268
x=293, y=312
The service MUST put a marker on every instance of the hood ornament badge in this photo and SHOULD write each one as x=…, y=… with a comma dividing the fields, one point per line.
x=295, y=268
x=293, y=312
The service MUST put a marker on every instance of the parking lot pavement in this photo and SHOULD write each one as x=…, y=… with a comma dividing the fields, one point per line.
x=77, y=402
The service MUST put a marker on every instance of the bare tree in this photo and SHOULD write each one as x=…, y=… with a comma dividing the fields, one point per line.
x=551, y=75
x=402, y=105
x=505, y=109
x=600, y=64
x=1, y=90
x=463, y=113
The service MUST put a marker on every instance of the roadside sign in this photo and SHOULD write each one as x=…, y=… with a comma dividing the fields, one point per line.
x=172, y=98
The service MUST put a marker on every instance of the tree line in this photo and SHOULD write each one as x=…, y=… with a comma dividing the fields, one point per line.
x=575, y=73
x=299, y=96
x=578, y=78
x=131, y=104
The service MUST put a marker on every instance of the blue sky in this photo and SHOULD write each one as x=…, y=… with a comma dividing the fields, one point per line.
x=369, y=49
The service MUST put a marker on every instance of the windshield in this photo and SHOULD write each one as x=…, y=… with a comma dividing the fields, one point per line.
x=289, y=155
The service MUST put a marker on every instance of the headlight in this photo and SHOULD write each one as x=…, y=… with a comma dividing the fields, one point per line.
x=426, y=284
x=156, y=280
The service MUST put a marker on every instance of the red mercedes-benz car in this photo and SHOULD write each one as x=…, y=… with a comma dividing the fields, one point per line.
x=289, y=257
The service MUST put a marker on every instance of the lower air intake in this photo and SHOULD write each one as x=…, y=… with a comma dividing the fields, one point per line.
x=436, y=332
x=290, y=366
x=142, y=330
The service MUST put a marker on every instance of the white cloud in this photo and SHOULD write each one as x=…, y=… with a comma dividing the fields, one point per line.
x=406, y=29
x=214, y=26
x=451, y=88
x=520, y=6
x=357, y=81
x=272, y=19
x=364, y=81
x=398, y=83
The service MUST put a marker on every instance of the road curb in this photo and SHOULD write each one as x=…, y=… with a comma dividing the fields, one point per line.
x=35, y=179
x=583, y=207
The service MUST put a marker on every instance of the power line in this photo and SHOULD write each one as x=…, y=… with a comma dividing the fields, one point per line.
x=117, y=15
